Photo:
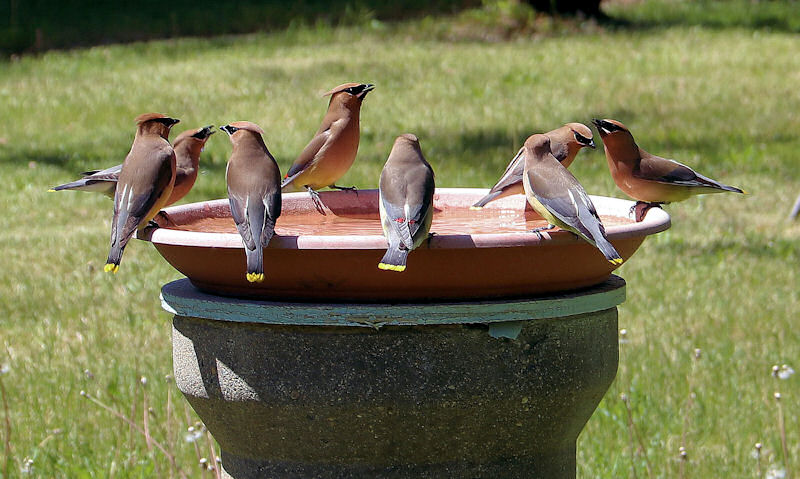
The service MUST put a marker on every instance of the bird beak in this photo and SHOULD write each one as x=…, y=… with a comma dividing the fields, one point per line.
x=600, y=124
x=174, y=122
x=591, y=144
x=204, y=132
x=367, y=88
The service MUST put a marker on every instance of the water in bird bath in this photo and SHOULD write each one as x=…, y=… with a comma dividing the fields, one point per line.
x=451, y=221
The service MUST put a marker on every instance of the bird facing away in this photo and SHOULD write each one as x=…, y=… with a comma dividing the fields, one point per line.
x=649, y=179
x=565, y=143
x=145, y=182
x=254, y=192
x=557, y=196
x=187, y=146
x=333, y=149
x=405, y=201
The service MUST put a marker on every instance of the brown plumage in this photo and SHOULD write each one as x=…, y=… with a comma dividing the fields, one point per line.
x=559, y=198
x=650, y=179
x=187, y=146
x=145, y=182
x=254, y=192
x=333, y=149
x=405, y=201
x=565, y=143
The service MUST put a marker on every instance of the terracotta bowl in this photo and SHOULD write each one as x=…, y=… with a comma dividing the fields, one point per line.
x=334, y=257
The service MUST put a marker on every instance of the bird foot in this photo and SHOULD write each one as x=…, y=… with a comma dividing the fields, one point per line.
x=317, y=201
x=345, y=188
x=166, y=220
x=640, y=209
x=538, y=231
x=152, y=225
x=430, y=237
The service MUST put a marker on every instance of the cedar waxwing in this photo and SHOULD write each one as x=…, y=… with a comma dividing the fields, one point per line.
x=333, y=149
x=187, y=146
x=565, y=143
x=145, y=182
x=649, y=179
x=254, y=192
x=795, y=209
x=405, y=201
x=558, y=197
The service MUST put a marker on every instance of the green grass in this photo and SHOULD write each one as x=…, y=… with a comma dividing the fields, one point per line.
x=723, y=279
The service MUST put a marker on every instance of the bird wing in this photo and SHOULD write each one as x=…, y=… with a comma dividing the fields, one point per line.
x=272, y=202
x=109, y=174
x=139, y=197
x=513, y=172
x=313, y=151
x=564, y=197
x=239, y=206
x=419, y=198
x=663, y=170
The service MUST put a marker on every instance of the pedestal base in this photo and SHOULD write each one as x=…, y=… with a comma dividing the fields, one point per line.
x=433, y=400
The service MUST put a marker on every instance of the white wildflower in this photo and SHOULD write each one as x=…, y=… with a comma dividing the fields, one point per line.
x=775, y=473
x=785, y=372
x=5, y=368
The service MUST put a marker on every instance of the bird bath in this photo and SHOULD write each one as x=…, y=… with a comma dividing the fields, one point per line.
x=334, y=257
x=485, y=358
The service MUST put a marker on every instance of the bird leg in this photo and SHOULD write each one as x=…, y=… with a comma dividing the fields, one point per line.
x=539, y=230
x=641, y=208
x=431, y=234
x=316, y=199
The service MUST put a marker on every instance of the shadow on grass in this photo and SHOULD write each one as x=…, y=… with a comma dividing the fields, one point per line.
x=768, y=15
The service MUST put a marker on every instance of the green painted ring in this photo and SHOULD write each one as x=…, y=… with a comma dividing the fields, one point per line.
x=180, y=298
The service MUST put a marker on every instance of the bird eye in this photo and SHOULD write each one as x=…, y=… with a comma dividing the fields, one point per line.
x=582, y=139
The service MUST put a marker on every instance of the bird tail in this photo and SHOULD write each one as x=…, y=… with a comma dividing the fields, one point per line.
x=608, y=251
x=394, y=259
x=85, y=184
x=485, y=200
x=255, y=264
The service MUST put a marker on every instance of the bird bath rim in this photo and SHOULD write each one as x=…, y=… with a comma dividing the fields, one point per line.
x=449, y=267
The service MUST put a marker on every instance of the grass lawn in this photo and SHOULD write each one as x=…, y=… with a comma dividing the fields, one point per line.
x=723, y=279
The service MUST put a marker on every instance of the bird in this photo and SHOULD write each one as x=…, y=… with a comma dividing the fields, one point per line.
x=565, y=143
x=187, y=146
x=558, y=197
x=254, y=192
x=405, y=201
x=795, y=209
x=650, y=179
x=332, y=150
x=145, y=183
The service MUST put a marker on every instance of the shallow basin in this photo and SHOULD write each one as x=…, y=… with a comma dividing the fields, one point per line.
x=334, y=256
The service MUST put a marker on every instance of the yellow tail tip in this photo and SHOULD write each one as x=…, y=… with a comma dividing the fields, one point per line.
x=255, y=277
x=51, y=190
x=391, y=267
x=616, y=261
x=475, y=208
x=111, y=268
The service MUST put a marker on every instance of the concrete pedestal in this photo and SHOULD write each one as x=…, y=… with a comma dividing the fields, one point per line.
x=479, y=389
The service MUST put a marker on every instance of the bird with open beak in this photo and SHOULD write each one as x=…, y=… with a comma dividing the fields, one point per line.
x=254, y=192
x=332, y=150
x=565, y=143
x=187, y=146
x=146, y=180
x=650, y=179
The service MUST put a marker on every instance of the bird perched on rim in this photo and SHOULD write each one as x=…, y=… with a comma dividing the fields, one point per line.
x=254, y=192
x=650, y=179
x=187, y=146
x=145, y=182
x=333, y=149
x=405, y=201
x=557, y=196
x=565, y=143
